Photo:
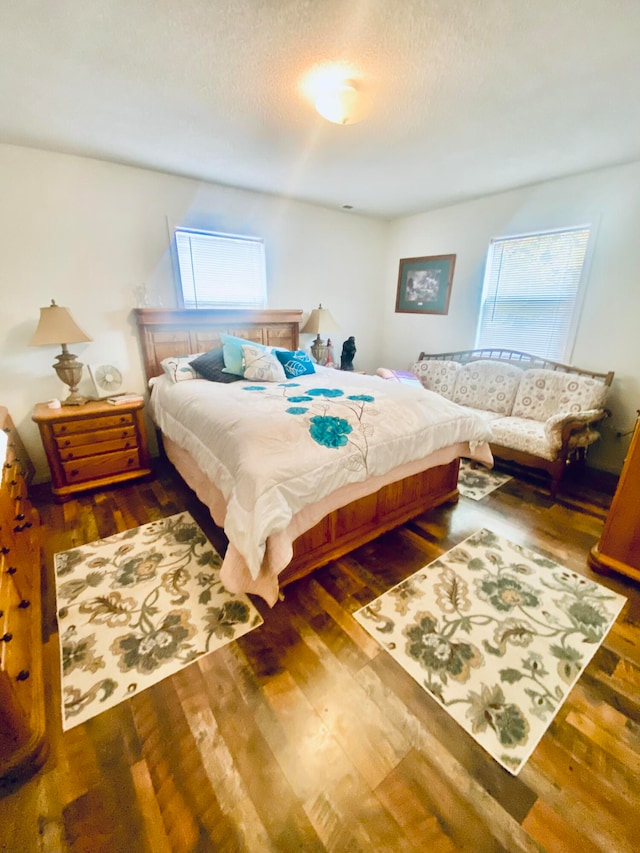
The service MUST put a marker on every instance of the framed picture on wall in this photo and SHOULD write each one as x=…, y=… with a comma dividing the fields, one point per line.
x=424, y=284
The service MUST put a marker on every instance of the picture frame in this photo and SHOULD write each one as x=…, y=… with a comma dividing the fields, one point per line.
x=424, y=284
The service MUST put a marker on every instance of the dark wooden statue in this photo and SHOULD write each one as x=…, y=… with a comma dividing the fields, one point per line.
x=348, y=353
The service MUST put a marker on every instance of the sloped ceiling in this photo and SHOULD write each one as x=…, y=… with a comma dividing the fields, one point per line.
x=465, y=97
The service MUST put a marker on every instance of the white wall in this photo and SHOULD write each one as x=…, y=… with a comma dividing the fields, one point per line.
x=608, y=335
x=87, y=233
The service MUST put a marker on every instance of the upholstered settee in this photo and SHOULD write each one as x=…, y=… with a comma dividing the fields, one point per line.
x=543, y=414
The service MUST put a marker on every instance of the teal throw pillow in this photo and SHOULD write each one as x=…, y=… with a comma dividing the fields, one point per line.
x=232, y=353
x=295, y=363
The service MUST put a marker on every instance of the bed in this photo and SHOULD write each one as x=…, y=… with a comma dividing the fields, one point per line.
x=337, y=471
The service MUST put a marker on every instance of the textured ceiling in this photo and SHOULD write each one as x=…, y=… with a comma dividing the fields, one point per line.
x=466, y=97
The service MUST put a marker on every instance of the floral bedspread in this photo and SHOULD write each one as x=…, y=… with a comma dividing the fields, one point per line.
x=273, y=448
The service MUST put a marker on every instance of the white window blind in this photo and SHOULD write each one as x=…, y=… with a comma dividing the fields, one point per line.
x=530, y=292
x=220, y=270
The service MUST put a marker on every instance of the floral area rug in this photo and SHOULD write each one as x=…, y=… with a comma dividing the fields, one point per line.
x=497, y=635
x=476, y=481
x=136, y=608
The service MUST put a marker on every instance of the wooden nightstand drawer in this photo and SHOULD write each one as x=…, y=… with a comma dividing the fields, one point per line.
x=96, y=467
x=91, y=425
x=95, y=437
x=82, y=451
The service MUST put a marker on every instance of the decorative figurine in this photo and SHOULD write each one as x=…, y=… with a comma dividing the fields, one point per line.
x=329, y=362
x=348, y=353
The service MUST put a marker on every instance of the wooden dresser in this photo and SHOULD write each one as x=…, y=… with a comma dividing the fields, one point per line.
x=619, y=547
x=22, y=714
x=93, y=445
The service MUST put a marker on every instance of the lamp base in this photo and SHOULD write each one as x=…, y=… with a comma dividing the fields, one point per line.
x=75, y=399
x=319, y=351
x=69, y=371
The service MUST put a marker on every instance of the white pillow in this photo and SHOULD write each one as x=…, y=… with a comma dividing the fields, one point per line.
x=260, y=365
x=178, y=368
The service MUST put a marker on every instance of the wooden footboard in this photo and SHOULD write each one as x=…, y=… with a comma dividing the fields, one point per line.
x=363, y=520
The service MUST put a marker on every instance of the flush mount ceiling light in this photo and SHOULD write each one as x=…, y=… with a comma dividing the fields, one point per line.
x=335, y=93
x=339, y=105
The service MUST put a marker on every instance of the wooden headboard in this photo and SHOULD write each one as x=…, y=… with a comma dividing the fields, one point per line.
x=165, y=333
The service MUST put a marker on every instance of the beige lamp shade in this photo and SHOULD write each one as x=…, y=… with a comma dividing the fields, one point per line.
x=320, y=322
x=57, y=326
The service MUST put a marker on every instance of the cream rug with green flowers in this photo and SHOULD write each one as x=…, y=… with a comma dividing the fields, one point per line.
x=497, y=635
x=136, y=608
x=475, y=481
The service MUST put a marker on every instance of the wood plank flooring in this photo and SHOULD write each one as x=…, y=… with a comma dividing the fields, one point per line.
x=305, y=736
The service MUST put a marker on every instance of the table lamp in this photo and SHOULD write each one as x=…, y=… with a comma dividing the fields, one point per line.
x=320, y=322
x=57, y=326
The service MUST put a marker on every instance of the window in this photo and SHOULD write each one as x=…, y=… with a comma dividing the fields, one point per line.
x=530, y=292
x=220, y=270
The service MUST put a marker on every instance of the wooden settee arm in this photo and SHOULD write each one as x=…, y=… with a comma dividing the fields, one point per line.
x=561, y=428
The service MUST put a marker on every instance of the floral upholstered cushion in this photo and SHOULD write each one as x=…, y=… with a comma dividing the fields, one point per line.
x=544, y=393
x=438, y=376
x=488, y=385
x=532, y=437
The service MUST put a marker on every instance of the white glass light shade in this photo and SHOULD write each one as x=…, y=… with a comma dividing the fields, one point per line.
x=339, y=105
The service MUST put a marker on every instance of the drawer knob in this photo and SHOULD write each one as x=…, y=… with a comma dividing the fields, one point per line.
x=13, y=483
x=7, y=430
x=7, y=464
x=24, y=604
x=4, y=550
x=6, y=638
x=11, y=570
x=63, y=429
x=66, y=443
x=20, y=517
x=74, y=473
x=22, y=675
x=131, y=461
x=19, y=528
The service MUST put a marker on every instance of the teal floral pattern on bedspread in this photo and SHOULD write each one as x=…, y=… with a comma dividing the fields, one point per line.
x=333, y=417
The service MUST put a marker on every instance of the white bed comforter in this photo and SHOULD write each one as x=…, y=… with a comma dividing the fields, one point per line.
x=274, y=448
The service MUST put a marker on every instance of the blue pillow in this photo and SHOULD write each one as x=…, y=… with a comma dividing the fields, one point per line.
x=232, y=353
x=295, y=363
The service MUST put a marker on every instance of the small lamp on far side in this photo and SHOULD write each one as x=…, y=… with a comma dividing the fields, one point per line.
x=57, y=326
x=320, y=322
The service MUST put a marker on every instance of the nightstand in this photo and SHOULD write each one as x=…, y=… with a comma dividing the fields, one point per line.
x=93, y=445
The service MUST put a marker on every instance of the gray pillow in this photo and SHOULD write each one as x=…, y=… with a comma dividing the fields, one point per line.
x=210, y=365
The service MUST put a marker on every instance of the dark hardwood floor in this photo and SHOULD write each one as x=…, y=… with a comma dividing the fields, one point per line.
x=305, y=735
